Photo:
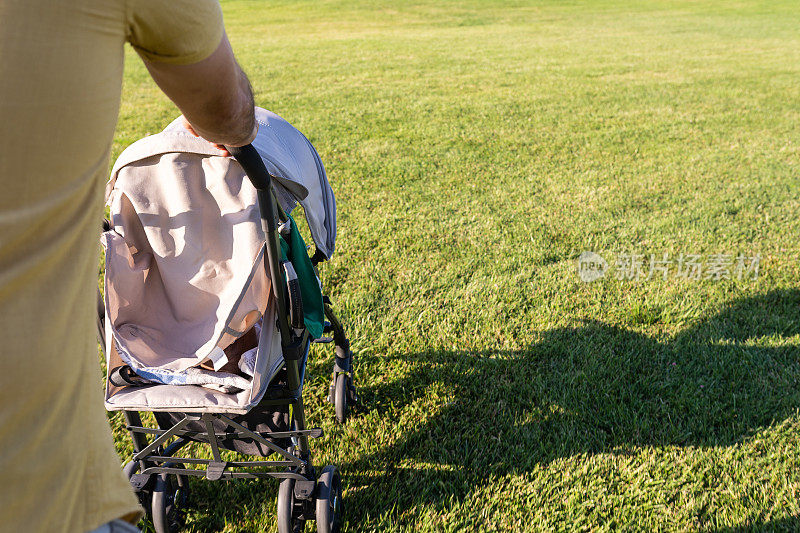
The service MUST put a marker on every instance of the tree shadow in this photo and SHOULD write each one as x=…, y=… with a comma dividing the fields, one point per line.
x=581, y=390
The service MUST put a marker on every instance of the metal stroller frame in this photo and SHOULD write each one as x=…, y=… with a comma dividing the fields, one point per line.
x=159, y=477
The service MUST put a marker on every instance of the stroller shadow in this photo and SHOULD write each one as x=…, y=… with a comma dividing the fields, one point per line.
x=579, y=390
x=219, y=506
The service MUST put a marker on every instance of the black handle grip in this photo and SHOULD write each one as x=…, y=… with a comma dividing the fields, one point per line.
x=253, y=165
x=247, y=156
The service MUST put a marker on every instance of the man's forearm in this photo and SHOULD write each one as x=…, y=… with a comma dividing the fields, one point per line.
x=214, y=95
x=224, y=121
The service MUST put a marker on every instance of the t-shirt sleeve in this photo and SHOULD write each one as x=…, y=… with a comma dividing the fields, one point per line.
x=176, y=31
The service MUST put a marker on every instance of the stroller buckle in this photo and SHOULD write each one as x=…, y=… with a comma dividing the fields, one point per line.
x=295, y=350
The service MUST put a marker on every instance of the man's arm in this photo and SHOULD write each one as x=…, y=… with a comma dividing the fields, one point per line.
x=213, y=94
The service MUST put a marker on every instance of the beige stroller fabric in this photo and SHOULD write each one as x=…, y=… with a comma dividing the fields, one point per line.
x=197, y=399
x=184, y=277
x=184, y=262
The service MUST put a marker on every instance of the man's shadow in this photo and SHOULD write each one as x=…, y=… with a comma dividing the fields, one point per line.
x=579, y=390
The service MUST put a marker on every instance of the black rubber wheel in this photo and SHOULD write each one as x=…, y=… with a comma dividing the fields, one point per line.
x=288, y=521
x=145, y=496
x=130, y=468
x=330, y=508
x=169, y=502
x=340, y=398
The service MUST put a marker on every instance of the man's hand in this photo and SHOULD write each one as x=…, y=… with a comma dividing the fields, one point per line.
x=221, y=147
x=214, y=96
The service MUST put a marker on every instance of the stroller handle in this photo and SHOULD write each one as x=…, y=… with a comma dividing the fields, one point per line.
x=252, y=164
x=247, y=156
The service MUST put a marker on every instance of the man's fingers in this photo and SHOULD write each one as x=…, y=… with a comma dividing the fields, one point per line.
x=189, y=127
x=220, y=147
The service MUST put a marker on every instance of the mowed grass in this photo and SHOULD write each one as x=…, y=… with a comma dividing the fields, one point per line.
x=476, y=149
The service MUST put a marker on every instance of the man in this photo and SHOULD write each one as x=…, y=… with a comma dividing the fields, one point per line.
x=61, y=69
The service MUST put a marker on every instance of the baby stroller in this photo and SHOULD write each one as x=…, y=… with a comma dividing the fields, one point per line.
x=211, y=302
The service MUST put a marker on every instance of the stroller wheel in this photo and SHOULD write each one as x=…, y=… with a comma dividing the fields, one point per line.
x=143, y=494
x=130, y=469
x=288, y=519
x=340, y=398
x=330, y=508
x=169, y=502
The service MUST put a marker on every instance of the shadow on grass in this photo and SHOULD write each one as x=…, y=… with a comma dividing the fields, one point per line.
x=238, y=504
x=791, y=523
x=588, y=389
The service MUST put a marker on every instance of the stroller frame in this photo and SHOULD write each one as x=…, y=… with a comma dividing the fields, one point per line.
x=304, y=493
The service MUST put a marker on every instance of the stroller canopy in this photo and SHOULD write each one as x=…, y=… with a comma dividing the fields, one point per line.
x=287, y=154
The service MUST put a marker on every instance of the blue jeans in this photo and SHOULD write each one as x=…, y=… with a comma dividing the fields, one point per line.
x=117, y=526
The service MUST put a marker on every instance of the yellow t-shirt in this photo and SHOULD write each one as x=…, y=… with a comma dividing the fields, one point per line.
x=60, y=78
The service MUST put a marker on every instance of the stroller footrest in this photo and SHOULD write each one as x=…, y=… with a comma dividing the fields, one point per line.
x=311, y=433
x=215, y=470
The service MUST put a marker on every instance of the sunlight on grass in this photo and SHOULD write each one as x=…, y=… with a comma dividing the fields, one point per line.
x=476, y=149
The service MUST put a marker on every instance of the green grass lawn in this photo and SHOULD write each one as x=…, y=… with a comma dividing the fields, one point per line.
x=476, y=149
